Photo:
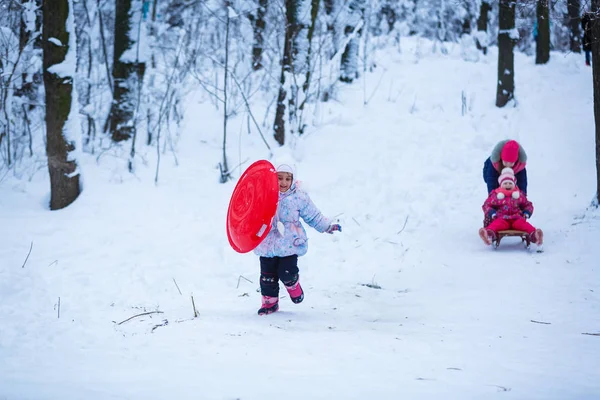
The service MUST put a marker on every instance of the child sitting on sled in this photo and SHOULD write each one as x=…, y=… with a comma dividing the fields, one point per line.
x=508, y=208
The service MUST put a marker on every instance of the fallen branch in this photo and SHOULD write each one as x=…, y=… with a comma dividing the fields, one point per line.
x=194, y=306
x=240, y=277
x=403, y=226
x=355, y=221
x=164, y=323
x=177, y=287
x=591, y=334
x=139, y=315
x=540, y=322
x=27, y=258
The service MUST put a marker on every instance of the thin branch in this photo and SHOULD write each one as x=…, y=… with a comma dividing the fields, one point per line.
x=194, y=306
x=27, y=258
x=404, y=226
x=242, y=277
x=591, y=334
x=139, y=315
x=540, y=322
x=177, y=287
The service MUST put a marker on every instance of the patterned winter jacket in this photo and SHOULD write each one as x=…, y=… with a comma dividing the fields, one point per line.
x=292, y=239
x=507, y=204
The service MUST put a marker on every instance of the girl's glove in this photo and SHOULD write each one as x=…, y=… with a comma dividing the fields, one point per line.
x=526, y=215
x=334, y=227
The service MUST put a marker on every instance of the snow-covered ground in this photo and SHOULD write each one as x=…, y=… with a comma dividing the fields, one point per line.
x=452, y=319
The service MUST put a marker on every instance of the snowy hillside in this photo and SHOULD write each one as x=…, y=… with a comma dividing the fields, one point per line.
x=406, y=302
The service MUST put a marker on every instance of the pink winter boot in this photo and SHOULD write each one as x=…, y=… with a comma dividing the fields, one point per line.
x=487, y=235
x=296, y=292
x=269, y=305
x=537, y=237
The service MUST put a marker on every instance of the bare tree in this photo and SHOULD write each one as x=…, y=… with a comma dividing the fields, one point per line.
x=58, y=35
x=482, y=23
x=287, y=89
x=574, y=21
x=542, y=38
x=259, y=23
x=349, y=66
x=127, y=72
x=506, y=59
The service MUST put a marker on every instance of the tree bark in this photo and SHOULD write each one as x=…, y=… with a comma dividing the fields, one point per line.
x=506, y=40
x=291, y=29
x=57, y=41
x=259, y=24
x=30, y=85
x=349, y=62
x=482, y=23
x=542, y=47
x=595, y=41
x=126, y=75
x=574, y=22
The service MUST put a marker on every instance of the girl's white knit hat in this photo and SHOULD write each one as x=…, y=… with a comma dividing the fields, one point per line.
x=507, y=174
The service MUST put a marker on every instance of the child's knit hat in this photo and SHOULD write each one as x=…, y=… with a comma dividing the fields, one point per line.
x=507, y=174
x=287, y=168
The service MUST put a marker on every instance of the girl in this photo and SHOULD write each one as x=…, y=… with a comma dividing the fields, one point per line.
x=287, y=240
x=507, y=207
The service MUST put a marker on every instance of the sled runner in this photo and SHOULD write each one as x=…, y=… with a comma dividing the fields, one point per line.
x=525, y=238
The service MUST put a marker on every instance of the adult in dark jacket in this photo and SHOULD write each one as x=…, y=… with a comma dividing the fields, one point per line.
x=586, y=26
x=506, y=154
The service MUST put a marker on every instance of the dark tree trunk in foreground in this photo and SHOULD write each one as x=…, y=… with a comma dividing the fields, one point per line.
x=506, y=58
x=64, y=175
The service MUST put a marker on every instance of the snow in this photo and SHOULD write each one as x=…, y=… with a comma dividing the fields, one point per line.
x=452, y=319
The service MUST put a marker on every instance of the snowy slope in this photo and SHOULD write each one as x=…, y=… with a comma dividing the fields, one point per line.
x=452, y=319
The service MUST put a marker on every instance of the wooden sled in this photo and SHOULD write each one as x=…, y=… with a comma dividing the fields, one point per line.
x=525, y=239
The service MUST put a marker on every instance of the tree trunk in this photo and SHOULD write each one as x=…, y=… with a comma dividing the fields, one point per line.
x=259, y=24
x=542, y=47
x=574, y=21
x=331, y=11
x=127, y=73
x=291, y=29
x=482, y=23
x=60, y=142
x=314, y=13
x=595, y=41
x=506, y=59
x=30, y=85
x=287, y=93
x=349, y=62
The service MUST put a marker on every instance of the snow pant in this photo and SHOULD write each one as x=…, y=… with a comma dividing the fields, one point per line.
x=273, y=269
x=519, y=224
x=490, y=177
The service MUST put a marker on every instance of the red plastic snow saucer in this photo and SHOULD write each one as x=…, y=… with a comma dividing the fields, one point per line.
x=252, y=206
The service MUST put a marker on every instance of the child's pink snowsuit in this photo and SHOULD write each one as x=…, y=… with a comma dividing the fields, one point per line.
x=510, y=208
